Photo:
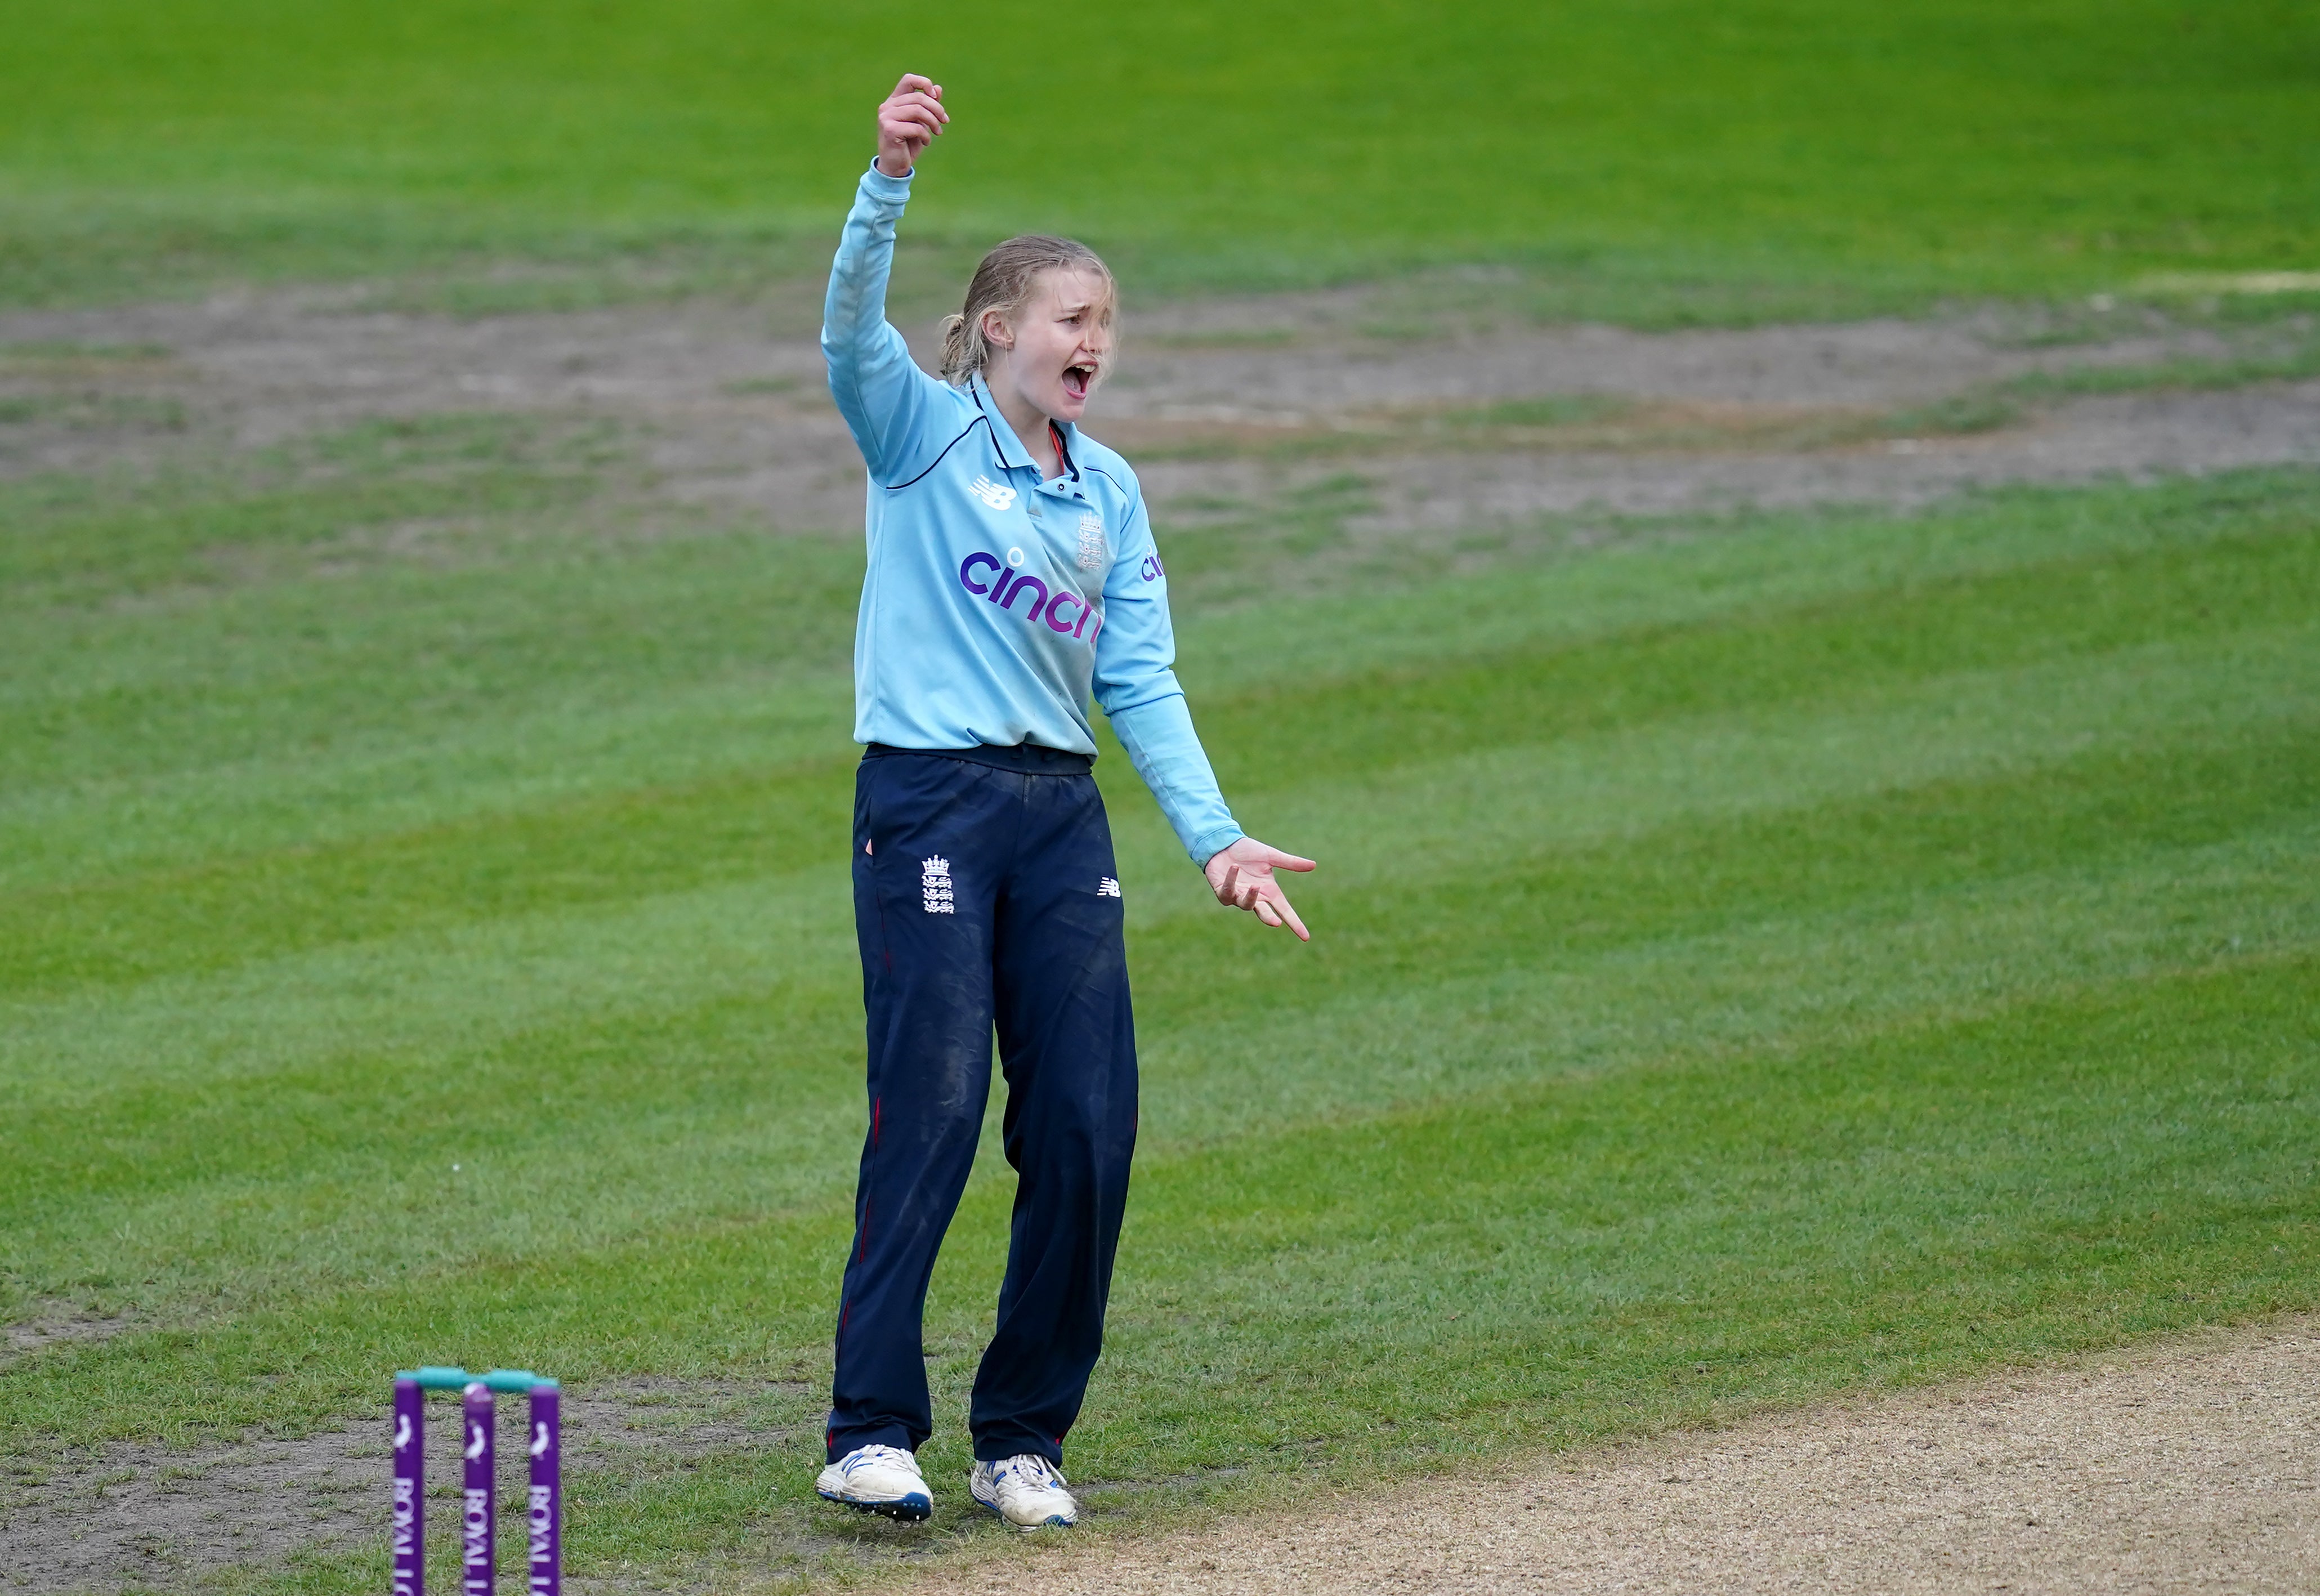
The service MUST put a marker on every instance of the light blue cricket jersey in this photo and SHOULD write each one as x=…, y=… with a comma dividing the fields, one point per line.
x=995, y=601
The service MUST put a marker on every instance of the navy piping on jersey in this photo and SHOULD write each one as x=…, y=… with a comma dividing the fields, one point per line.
x=983, y=419
x=1063, y=449
x=980, y=420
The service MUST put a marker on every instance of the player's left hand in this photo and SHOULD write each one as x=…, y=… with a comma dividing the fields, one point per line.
x=1242, y=878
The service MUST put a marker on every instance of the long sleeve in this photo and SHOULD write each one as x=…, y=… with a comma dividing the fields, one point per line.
x=1135, y=684
x=1166, y=752
x=880, y=390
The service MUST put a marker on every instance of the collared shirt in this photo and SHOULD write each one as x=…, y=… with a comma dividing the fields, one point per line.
x=996, y=601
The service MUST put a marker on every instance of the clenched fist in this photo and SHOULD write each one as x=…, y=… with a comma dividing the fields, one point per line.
x=908, y=119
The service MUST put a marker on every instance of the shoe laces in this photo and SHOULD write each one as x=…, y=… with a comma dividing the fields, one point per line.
x=862, y=1456
x=1030, y=1469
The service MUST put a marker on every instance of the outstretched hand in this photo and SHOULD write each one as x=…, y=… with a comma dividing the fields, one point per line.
x=1242, y=878
x=908, y=119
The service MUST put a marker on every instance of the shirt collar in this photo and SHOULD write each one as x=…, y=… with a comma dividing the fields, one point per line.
x=1010, y=447
x=1003, y=436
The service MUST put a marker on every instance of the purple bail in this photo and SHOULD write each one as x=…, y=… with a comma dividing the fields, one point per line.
x=544, y=1514
x=477, y=1507
x=408, y=1536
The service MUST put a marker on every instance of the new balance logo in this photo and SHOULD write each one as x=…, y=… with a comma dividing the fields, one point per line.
x=992, y=493
x=1107, y=888
x=934, y=885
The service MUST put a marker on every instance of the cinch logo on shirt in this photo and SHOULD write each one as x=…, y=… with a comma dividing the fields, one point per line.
x=990, y=492
x=1152, y=570
x=1063, y=610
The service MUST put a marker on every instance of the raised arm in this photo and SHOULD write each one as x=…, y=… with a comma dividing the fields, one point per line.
x=879, y=389
x=1135, y=684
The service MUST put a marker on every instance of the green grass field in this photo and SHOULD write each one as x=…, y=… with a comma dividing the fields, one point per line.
x=1673, y=158
x=1757, y=957
x=1752, y=962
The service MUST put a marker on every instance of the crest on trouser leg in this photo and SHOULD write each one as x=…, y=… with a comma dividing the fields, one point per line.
x=934, y=884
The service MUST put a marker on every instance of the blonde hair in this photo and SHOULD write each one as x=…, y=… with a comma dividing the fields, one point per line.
x=1005, y=282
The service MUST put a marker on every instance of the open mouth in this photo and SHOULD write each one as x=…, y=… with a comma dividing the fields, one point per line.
x=1077, y=380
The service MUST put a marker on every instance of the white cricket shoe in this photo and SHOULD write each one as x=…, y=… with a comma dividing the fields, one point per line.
x=877, y=1480
x=1026, y=1491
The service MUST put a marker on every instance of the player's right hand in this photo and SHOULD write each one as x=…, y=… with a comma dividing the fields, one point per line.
x=909, y=119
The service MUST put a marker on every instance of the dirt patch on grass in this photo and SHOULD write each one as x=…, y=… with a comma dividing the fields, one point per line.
x=139, y=1515
x=2192, y=1468
x=54, y=1323
x=1451, y=423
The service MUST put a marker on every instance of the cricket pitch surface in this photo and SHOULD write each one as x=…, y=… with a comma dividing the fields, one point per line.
x=2190, y=1468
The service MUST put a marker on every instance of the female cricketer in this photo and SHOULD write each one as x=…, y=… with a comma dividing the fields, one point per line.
x=1012, y=573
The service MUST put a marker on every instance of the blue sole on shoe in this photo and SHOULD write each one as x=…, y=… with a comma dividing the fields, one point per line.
x=911, y=1508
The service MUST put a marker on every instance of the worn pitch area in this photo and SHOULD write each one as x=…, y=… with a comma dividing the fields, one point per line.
x=1412, y=420
x=126, y=1512
x=2187, y=1469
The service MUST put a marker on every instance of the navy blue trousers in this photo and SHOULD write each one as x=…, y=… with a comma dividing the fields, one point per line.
x=985, y=896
